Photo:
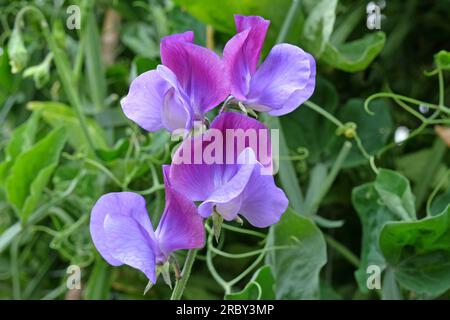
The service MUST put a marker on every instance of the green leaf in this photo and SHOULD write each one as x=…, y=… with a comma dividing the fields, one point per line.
x=60, y=115
x=21, y=140
x=302, y=125
x=32, y=170
x=219, y=14
x=373, y=130
x=419, y=253
x=373, y=216
x=296, y=269
x=355, y=55
x=260, y=287
x=395, y=192
x=319, y=26
x=442, y=60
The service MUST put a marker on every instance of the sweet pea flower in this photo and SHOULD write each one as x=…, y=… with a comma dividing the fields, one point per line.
x=123, y=234
x=230, y=188
x=281, y=83
x=181, y=90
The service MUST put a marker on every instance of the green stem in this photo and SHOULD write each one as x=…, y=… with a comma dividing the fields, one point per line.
x=63, y=69
x=343, y=251
x=186, y=273
x=324, y=113
x=288, y=21
x=343, y=153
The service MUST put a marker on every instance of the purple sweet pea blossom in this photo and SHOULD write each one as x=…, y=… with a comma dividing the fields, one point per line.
x=123, y=234
x=179, y=92
x=233, y=188
x=281, y=83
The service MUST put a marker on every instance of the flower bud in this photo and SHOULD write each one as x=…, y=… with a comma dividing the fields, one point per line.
x=18, y=55
x=40, y=72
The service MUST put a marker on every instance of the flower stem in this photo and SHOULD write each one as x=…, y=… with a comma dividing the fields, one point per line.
x=343, y=251
x=186, y=273
x=288, y=21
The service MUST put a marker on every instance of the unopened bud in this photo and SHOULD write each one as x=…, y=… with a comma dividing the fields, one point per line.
x=18, y=55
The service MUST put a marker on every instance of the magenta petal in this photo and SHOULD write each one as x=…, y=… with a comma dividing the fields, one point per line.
x=285, y=80
x=198, y=70
x=187, y=36
x=180, y=227
x=122, y=232
x=241, y=53
x=255, y=40
x=145, y=99
x=257, y=136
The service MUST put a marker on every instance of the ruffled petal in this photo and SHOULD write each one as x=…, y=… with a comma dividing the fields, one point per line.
x=263, y=202
x=198, y=70
x=241, y=53
x=145, y=99
x=285, y=80
x=180, y=227
x=122, y=232
x=227, y=198
x=243, y=132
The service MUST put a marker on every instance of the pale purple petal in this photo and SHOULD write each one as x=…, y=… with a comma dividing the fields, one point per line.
x=263, y=202
x=241, y=53
x=180, y=227
x=199, y=71
x=145, y=99
x=122, y=232
x=227, y=197
x=285, y=80
x=175, y=114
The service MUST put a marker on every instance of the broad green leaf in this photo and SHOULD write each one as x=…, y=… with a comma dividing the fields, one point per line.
x=31, y=172
x=317, y=176
x=219, y=14
x=389, y=288
x=21, y=140
x=260, y=287
x=319, y=26
x=296, y=269
x=373, y=130
x=442, y=60
x=440, y=203
x=355, y=55
x=303, y=124
x=395, y=192
x=373, y=216
x=419, y=253
x=60, y=115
